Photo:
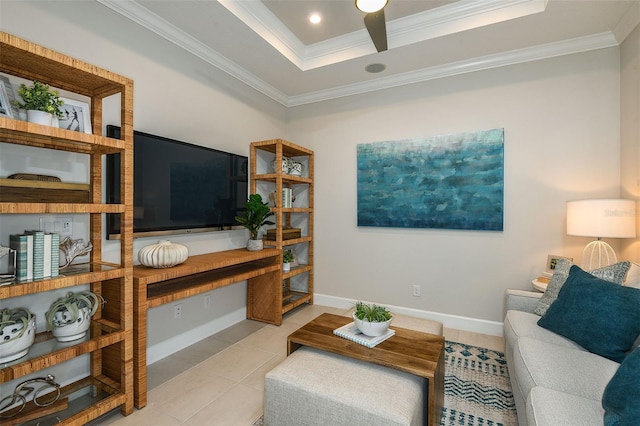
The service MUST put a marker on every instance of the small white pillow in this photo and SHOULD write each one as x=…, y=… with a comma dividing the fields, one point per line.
x=633, y=276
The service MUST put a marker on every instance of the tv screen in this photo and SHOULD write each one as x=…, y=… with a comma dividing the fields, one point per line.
x=178, y=187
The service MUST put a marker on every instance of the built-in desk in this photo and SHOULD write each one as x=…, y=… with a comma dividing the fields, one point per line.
x=198, y=274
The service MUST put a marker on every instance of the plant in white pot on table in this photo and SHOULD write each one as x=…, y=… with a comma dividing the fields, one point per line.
x=69, y=317
x=371, y=319
x=42, y=103
x=255, y=217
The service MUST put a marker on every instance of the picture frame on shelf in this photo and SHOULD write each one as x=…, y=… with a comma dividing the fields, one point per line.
x=5, y=106
x=11, y=96
x=76, y=116
x=552, y=261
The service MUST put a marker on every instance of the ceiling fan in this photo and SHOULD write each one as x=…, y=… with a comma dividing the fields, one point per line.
x=374, y=21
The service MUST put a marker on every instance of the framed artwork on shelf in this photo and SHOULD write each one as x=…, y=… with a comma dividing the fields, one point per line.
x=11, y=96
x=5, y=106
x=552, y=261
x=75, y=116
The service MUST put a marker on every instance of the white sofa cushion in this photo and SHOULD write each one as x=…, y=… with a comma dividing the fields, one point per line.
x=523, y=324
x=561, y=368
x=548, y=407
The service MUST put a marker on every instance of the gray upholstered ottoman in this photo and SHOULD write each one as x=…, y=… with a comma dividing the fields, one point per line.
x=314, y=387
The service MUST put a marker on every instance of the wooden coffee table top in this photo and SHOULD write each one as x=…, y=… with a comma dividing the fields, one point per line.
x=410, y=351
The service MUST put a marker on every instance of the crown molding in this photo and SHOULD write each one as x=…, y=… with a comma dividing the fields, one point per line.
x=142, y=16
x=628, y=22
x=455, y=17
x=551, y=50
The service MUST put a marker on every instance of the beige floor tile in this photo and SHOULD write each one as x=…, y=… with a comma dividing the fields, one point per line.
x=234, y=363
x=256, y=379
x=309, y=312
x=483, y=340
x=148, y=416
x=270, y=339
x=188, y=393
x=239, y=331
x=240, y=406
x=450, y=334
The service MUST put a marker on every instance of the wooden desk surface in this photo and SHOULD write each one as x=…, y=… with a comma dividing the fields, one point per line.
x=410, y=351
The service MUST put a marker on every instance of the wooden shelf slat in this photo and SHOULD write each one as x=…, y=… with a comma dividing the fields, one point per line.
x=71, y=208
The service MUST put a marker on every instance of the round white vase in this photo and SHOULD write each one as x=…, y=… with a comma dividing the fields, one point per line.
x=39, y=117
x=74, y=330
x=165, y=254
x=286, y=267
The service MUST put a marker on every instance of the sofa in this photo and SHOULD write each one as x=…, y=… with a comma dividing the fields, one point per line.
x=558, y=375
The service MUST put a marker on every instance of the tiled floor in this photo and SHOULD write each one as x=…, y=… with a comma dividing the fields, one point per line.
x=219, y=380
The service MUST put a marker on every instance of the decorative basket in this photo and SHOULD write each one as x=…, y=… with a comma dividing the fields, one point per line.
x=17, y=333
x=165, y=254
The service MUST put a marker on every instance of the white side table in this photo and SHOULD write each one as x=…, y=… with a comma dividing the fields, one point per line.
x=540, y=285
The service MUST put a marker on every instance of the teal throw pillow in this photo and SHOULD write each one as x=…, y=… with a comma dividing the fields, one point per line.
x=614, y=273
x=621, y=398
x=602, y=317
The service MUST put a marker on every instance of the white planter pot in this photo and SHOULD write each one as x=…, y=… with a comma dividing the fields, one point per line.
x=13, y=347
x=165, y=254
x=39, y=117
x=254, y=245
x=73, y=331
x=371, y=328
x=286, y=267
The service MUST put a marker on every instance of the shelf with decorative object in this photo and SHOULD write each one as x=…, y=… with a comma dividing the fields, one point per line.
x=198, y=274
x=109, y=343
x=277, y=165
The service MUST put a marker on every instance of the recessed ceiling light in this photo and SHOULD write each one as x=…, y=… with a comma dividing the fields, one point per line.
x=315, y=18
x=375, y=68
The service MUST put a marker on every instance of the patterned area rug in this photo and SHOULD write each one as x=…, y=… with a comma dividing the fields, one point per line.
x=477, y=391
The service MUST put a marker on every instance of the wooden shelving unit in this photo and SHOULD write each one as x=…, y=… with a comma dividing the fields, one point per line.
x=110, y=341
x=198, y=274
x=269, y=302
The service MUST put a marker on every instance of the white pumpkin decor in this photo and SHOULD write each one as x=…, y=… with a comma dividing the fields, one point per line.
x=165, y=254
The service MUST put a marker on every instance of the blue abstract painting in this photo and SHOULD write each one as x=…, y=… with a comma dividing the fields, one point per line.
x=447, y=182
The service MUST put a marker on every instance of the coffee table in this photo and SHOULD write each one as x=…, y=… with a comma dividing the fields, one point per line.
x=410, y=351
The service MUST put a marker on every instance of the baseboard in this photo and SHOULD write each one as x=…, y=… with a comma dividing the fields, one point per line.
x=475, y=325
x=188, y=338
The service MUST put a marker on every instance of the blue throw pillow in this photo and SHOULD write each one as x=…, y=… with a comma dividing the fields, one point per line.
x=602, y=317
x=621, y=400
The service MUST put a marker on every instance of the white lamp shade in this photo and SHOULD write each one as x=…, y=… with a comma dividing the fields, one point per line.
x=604, y=218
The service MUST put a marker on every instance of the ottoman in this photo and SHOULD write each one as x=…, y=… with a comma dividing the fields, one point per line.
x=314, y=387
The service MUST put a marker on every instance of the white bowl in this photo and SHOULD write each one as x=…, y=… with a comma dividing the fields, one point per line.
x=372, y=329
x=17, y=347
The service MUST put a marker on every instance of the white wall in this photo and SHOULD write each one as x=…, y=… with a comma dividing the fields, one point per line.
x=561, y=121
x=175, y=95
x=630, y=131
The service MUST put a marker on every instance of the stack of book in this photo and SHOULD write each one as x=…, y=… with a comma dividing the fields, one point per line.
x=287, y=195
x=37, y=255
x=353, y=333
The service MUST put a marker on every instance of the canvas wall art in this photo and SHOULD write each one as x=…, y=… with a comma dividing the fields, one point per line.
x=446, y=182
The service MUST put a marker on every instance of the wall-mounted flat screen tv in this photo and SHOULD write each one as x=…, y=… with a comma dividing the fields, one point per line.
x=178, y=187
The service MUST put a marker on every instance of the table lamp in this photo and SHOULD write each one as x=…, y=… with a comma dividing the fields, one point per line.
x=603, y=218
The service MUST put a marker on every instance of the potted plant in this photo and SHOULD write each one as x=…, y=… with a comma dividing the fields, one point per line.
x=17, y=333
x=255, y=217
x=69, y=316
x=41, y=103
x=372, y=319
x=287, y=258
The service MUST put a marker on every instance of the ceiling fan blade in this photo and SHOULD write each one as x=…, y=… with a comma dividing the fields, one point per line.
x=377, y=28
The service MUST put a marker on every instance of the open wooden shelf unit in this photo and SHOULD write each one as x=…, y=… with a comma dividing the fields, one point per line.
x=270, y=302
x=109, y=343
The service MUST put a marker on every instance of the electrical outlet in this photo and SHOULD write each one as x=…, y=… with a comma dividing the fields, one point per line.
x=177, y=311
x=207, y=301
x=416, y=290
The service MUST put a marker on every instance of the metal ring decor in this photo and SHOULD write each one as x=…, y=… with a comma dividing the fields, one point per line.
x=22, y=390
